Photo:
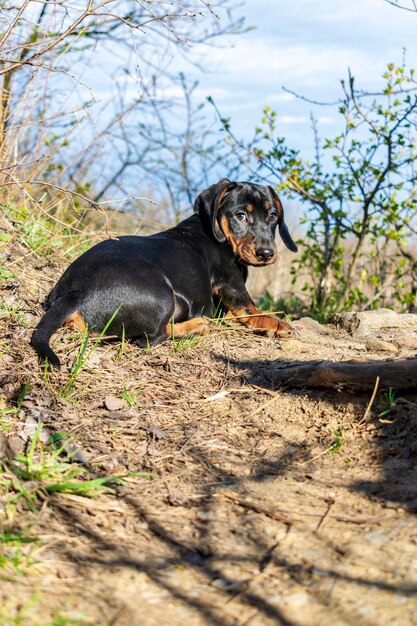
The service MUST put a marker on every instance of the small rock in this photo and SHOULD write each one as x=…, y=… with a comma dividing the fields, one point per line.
x=17, y=445
x=307, y=324
x=75, y=453
x=378, y=345
x=158, y=433
x=177, y=499
x=44, y=435
x=366, y=610
x=114, y=404
x=204, y=516
x=293, y=345
x=220, y=583
x=6, y=451
x=29, y=428
x=377, y=538
x=297, y=600
x=409, y=342
x=276, y=598
x=363, y=323
x=94, y=359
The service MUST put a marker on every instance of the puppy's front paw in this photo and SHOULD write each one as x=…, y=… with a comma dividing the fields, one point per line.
x=272, y=327
x=283, y=330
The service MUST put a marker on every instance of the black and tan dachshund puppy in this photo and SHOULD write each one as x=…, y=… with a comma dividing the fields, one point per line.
x=165, y=284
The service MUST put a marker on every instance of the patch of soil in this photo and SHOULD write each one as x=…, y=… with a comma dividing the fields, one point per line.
x=268, y=505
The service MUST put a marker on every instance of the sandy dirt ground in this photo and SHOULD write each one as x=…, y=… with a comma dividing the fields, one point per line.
x=265, y=506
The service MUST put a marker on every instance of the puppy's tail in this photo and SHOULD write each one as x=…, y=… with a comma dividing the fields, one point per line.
x=53, y=319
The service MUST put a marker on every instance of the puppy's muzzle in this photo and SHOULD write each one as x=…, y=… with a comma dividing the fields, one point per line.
x=264, y=254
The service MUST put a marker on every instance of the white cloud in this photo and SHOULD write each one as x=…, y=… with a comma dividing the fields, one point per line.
x=275, y=62
x=279, y=97
x=306, y=47
x=293, y=119
x=326, y=120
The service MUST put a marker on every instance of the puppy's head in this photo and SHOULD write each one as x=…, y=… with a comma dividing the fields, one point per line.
x=246, y=216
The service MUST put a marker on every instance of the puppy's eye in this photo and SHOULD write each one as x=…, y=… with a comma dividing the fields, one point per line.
x=241, y=216
x=273, y=215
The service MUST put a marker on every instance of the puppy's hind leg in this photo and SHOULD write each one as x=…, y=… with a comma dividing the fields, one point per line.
x=53, y=319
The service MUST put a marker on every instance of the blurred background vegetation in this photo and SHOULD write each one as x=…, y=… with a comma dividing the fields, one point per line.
x=83, y=157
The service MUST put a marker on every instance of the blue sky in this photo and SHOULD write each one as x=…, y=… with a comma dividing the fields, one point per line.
x=307, y=47
x=304, y=45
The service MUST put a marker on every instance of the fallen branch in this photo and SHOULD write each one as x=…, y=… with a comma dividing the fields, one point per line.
x=396, y=374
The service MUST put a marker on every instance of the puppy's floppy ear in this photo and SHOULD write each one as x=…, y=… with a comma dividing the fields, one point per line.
x=283, y=230
x=207, y=205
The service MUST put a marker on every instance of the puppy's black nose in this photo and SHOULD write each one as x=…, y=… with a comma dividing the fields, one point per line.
x=264, y=254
